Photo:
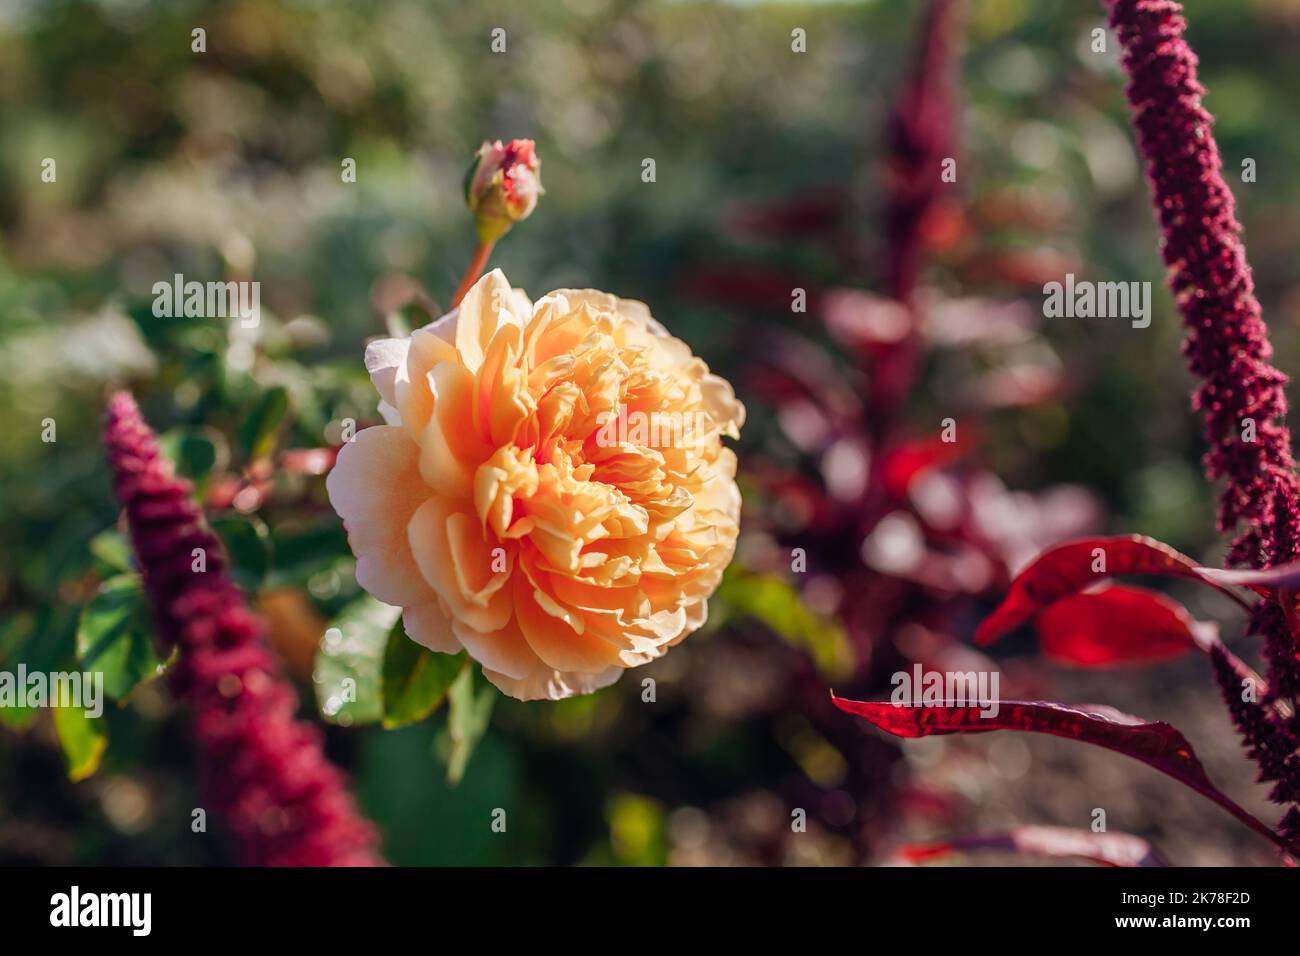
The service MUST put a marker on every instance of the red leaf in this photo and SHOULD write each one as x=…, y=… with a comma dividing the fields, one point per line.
x=904, y=462
x=1068, y=568
x=1266, y=582
x=1117, y=625
x=1156, y=744
x=1109, y=849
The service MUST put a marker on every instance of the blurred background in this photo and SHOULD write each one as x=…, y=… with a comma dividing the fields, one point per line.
x=774, y=171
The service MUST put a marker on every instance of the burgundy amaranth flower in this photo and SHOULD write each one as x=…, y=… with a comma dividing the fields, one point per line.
x=1227, y=342
x=1227, y=347
x=264, y=771
x=1267, y=740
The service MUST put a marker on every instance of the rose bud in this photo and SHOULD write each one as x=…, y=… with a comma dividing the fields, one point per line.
x=502, y=186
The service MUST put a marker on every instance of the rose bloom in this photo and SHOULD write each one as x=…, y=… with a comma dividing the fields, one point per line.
x=506, y=515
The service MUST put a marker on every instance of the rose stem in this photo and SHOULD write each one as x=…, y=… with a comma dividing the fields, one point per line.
x=475, y=269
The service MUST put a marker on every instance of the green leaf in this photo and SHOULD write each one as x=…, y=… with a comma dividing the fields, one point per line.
x=398, y=800
x=114, y=636
x=257, y=431
x=111, y=547
x=15, y=634
x=469, y=713
x=302, y=550
x=45, y=640
x=776, y=603
x=415, y=679
x=196, y=452
x=349, y=664
x=83, y=740
x=248, y=542
x=15, y=631
x=17, y=718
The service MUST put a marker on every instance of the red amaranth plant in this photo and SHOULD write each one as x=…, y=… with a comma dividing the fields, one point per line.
x=1066, y=593
x=1241, y=393
x=1227, y=342
x=264, y=770
x=921, y=135
x=902, y=536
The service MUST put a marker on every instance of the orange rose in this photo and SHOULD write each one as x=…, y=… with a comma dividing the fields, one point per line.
x=550, y=493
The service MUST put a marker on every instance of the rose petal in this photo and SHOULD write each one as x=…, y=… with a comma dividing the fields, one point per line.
x=554, y=640
x=375, y=487
x=427, y=533
x=383, y=358
x=414, y=397
x=504, y=650
x=489, y=303
x=545, y=684
x=429, y=626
